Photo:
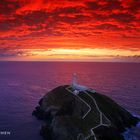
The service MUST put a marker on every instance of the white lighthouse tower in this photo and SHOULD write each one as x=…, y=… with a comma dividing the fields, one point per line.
x=75, y=85
x=74, y=80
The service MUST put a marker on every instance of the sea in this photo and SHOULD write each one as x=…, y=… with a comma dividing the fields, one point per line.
x=22, y=84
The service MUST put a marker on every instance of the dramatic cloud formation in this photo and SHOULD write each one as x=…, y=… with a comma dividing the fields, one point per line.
x=70, y=30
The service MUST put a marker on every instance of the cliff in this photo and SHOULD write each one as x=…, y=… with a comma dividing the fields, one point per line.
x=83, y=115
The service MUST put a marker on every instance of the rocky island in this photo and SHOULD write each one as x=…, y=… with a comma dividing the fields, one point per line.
x=75, y=112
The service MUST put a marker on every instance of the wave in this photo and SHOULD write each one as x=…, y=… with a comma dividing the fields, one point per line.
x=132, y=133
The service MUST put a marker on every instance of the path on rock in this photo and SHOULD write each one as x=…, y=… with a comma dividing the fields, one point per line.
x=93, y=110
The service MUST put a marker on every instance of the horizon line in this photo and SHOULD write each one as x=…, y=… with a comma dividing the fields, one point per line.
x=84, y=61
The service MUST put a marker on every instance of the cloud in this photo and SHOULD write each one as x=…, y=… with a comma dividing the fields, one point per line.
x=69, y=24
x=8, y=7
x=123, y=17
x=92, y=5
x=112, y=5
x=108, y=27
x=7, y=52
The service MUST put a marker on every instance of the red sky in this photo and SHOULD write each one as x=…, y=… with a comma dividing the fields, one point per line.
x=79, y=30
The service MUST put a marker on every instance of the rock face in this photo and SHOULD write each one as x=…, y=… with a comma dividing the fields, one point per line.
x=82, y=116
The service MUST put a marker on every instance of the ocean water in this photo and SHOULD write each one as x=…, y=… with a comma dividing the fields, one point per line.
x=22, y=84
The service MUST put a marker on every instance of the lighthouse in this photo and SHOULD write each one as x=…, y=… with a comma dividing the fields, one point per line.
x=74, y=80
x=76, y=86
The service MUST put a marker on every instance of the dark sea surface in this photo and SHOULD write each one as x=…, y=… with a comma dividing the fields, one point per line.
x=22, y=84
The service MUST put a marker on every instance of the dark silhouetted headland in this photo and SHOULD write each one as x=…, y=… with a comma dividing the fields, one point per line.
x=82, y=115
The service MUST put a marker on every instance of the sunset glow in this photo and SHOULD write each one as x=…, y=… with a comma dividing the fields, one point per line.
x=86, y=30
